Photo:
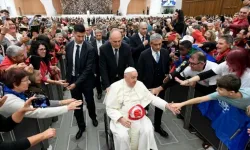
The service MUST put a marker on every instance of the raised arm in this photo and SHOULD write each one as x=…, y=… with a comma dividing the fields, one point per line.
x=190, y=102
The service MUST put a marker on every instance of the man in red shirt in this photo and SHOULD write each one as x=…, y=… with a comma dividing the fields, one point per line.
x=239, y=23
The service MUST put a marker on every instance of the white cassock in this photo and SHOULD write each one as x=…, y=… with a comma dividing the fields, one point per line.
x=119, y=100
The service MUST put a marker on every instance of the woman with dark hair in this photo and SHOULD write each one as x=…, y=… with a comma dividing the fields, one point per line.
x=40, y=49
x=16, y=83
x=178, y=24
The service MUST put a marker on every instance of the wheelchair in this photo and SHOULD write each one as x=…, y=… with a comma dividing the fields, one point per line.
x=108, y=133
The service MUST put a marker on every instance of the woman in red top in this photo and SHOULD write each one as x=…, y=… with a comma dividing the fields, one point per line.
x=39, y=48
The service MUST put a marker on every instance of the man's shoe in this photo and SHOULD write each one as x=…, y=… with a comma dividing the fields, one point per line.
x=95, y=123
x=79, y=133
x=99, y=96
x=161, y=132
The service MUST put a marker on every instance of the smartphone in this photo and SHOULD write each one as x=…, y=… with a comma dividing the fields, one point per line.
x=1, y=89
x=41, y=101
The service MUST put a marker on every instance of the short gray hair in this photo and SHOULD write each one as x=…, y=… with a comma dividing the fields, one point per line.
x=98, y=31
x=13, y=50
x=155, y=36
x=142, y=24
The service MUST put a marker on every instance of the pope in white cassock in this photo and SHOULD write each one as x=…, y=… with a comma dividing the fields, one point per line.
x=125, y=102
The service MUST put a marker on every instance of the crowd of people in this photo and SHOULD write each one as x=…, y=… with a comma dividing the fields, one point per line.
x=133, y=61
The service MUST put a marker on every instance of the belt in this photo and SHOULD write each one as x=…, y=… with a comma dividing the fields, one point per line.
x=136, y=112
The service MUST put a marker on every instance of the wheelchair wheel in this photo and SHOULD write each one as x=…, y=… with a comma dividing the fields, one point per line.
x=248, y=145
x=108, y=133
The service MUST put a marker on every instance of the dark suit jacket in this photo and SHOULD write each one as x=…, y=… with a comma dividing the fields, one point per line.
x=96, y=65
x=145, y=66
x=126, y=40
x=137, y=46
x=87, y=57
x=108, y=68
x=92, y=38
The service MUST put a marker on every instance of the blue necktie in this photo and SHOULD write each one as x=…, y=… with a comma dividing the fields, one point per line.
x=157, y=57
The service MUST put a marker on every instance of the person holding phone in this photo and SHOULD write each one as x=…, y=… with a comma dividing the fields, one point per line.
x=16, y=83
x=7, y=124
x=36, y=86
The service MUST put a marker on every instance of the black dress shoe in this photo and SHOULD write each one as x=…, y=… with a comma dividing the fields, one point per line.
x=79, y=133
x=99, y=96
x=95, y=123
x=161, y=132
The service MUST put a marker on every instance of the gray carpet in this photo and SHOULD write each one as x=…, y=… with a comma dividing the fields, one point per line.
x=94, y=137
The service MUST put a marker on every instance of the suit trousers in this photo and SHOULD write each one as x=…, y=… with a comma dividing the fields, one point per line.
x=89, y=98
x=159, y=112
x=98, y=84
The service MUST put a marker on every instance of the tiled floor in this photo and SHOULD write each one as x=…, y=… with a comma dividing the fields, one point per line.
x=94, y=137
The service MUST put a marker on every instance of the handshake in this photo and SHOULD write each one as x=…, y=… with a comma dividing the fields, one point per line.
x=174, y=107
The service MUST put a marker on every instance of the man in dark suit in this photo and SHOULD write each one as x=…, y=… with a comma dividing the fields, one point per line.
x=139, y=41
x=124, y=38
x=97, y=43
x=88, y=37
x=153, y=65
x=115, y=57
x=80, y=57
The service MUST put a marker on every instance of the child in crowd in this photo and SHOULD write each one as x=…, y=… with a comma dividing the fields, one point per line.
x=228, y=90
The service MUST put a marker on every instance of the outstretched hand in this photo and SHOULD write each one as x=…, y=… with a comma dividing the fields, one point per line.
x=155, y=91
x=27, y=105
x=173, y=109
x=176, y=106
x=183, y=83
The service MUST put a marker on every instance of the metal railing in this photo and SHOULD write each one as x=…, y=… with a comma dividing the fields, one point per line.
x=192, y=115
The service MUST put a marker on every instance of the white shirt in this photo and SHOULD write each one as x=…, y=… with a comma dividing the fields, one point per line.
x=141, y=36
x=155, y=54
x=223, y=69
x=187, y=72
x=74, y=56
x=117, y=53
x=98, y=44
x=14, y=103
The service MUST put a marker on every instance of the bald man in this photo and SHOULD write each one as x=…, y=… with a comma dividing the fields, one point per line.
x=115, y=57
x=240, y=22
x=139, y=41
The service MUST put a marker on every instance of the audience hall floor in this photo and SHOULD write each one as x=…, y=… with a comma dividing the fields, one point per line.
x=94, y=137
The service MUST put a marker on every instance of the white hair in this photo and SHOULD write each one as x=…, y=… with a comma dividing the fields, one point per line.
x=13, y=50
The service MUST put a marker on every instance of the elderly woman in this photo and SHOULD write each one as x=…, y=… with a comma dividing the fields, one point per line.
x=35, y=87
x=16, y=83
x=7, y=124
